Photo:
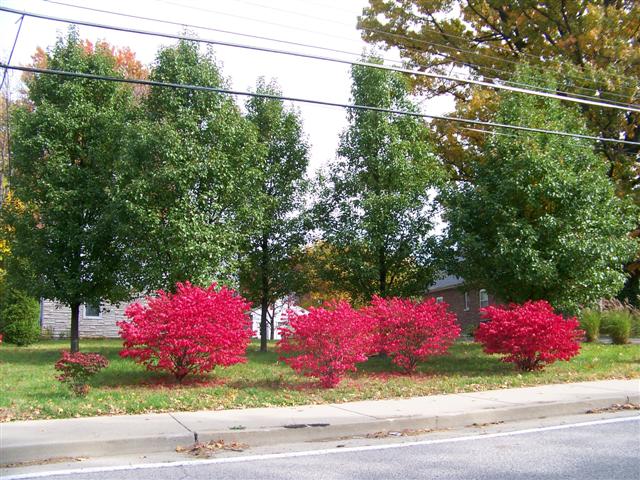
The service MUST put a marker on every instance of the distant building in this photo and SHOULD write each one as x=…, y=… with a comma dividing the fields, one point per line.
x=464, y=302
x=95, y=321
x=276, y=317
x=99, y=321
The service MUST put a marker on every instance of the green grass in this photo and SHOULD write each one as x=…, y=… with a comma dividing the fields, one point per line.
x=29, y=389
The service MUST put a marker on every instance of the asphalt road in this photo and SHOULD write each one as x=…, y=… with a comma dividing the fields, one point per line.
x=606, y=449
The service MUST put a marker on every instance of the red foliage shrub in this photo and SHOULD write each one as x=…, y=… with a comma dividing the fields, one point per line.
x=410, y=332
x=531, y=335
x=77, y=367
x=327, y=342
x=188, y=332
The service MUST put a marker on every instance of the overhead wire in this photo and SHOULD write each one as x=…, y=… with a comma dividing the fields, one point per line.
x=204, y=88
x=13, y=47
x=323, y=58
x=395, y=35
x=333, y=50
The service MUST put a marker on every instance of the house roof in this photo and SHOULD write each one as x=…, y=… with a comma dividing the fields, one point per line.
x=444, y=283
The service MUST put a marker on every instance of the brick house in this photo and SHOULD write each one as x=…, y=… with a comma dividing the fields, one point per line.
x=464, y=302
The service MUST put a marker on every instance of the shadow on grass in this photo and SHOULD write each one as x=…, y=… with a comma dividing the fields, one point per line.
x=273, y=384
x=48, y=351
x=264, y=358
x=27, y=356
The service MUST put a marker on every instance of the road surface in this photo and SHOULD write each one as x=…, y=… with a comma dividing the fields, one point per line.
x=607, y=449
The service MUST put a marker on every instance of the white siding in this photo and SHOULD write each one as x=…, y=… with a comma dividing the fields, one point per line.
x=56, y=321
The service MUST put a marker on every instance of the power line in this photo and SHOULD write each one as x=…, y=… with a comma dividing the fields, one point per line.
x=294, y=12
x=470, y=41
x=324, y=58
x=211, y=29
x=493, y=57
x=203, y=88
x=397, y=35
x=15, y=42
x=256, y=20
x=306, y=45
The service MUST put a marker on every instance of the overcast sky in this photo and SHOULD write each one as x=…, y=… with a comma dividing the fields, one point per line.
x=326, y=23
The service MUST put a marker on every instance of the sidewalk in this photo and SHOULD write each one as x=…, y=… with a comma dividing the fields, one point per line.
x=101, y=436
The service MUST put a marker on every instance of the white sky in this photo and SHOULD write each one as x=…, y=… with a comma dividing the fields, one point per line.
x=326, y=23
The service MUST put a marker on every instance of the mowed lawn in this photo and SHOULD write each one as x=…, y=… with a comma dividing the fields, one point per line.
x=29, y=389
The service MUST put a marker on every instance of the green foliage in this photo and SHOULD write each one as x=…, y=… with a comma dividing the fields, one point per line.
x=590, y=44
x=374, y=206
x=635, y=325
x=267, y=271
x=539, y=218
x=617, y=324
x=188, y=176
x=590, y=321
x=31, y=392
x=19, y=317
x=66, y=139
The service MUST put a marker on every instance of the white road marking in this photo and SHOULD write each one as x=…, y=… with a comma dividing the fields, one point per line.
x=309, y=453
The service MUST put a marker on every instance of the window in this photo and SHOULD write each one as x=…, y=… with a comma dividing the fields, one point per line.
x=92, y=310
x=484, y=298
x=466, y=301
x=439, y=299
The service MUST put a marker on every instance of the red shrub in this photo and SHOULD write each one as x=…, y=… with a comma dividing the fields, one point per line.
x=189, y=332
x=77, y=367
x=531, y=335
x=410, y=332
x=327, y=342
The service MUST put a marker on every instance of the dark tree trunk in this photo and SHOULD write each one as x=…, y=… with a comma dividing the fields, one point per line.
x=382, y=270
x=272, y=324
x=75, y=327
x=264, y=294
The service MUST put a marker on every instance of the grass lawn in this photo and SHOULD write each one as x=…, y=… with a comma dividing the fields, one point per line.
x=29, y=389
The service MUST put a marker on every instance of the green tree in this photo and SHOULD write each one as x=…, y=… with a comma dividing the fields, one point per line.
x=374, y=206
x=268, y=272
x=19, y=316
x=539, y=218
x=66, y=140
x=188, y=177
x=591, y=46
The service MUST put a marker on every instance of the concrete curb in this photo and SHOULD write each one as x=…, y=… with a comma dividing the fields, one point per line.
x=273, y=436
x=110, y=436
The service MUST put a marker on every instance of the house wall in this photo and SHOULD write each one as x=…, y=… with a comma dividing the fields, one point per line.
x=454, y=297
x=56, y=321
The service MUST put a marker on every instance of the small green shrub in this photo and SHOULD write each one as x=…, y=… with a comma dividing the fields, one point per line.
x=19, y=317
x=469, y=330
x=590, y=322
x=635, y=325
x=617, y=324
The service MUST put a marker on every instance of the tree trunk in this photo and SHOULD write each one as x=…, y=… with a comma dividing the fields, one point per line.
x=264, y=294
x=263, y=323
x=75, y=327
x=272, y=324
x=382, y=270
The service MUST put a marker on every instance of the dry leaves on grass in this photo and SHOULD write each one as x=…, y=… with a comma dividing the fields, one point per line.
x=46, y=461
x=6, y=414
x=407, y=432
x=616, y=407
x=206, y=449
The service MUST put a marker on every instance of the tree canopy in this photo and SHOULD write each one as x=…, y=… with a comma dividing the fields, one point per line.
x=188, y=176
x=591, y=47
x=374, y=205
x=267, y=271
x=66, y=142
x=538, y=218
